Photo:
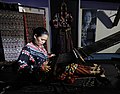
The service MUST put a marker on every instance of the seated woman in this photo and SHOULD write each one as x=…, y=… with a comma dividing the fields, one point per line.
x=34, y=66
x=33, y=59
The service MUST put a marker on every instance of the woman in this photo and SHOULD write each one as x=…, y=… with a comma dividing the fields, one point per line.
x=33, y=62
x=33, y=59
x=88, y=29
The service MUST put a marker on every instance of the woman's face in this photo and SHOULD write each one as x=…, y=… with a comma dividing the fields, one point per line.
x=40, y=40
x=88, y=17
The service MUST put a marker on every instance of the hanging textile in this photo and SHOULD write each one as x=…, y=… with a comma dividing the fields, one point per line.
x=62, y=25
x=12, y=33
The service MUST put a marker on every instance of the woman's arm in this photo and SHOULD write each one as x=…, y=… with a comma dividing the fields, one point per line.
x=23, y=59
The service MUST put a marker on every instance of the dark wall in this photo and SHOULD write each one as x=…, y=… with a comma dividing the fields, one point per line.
x=33, y=3
x=99, y=4
x=112, y=1
x=105, y=5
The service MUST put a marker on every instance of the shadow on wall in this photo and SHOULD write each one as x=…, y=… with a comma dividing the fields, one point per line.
x=118, y=51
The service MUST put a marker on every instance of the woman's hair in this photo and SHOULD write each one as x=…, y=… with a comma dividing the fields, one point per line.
x=39, y=31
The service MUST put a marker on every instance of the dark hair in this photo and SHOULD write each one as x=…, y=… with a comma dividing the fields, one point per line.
x=39, y=31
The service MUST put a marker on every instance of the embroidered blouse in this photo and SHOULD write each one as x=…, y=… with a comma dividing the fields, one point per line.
x=32, y=57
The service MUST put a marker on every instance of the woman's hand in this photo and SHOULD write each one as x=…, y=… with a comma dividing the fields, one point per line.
x=51, y=55
x=45, y=67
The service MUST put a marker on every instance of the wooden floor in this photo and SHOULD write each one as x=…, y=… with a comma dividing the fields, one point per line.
x=6, y=76
x=60, y=88
x=50, y=90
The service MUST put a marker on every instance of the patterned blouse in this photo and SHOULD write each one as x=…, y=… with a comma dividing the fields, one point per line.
x=32, y=57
